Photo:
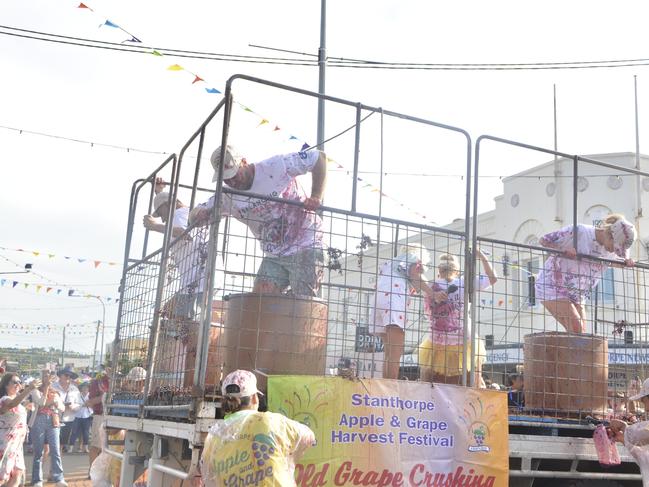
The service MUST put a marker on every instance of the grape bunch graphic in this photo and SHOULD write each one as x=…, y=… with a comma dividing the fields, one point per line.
x=263, y=447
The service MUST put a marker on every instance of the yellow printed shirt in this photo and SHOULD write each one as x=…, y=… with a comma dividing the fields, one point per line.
x=249, y=448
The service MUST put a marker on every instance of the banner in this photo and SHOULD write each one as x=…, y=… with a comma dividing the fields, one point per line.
x=396, y=433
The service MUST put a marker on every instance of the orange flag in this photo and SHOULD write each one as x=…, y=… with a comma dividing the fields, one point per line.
x=97, y=262
x=83, y=5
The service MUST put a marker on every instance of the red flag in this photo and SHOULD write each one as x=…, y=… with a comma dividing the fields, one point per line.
x=197, y=79
x=276, y=128
x=97, y=262
x=83, y=5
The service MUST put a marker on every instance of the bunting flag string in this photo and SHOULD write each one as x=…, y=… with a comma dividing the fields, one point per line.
x=55, y=291
x=196, y=78
x=80, y=260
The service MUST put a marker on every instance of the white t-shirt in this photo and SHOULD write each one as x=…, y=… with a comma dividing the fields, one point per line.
x=189, y=254
x=281, y=229
x=72, y=396
x=84, y=411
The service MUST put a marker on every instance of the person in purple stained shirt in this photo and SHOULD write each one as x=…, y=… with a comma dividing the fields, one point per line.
x=565, y=282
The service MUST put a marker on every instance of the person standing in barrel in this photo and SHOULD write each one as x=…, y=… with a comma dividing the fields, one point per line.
x=290, y=235
x=565, y=282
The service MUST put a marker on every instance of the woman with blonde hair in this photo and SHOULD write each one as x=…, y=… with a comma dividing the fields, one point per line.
x=565, y=282
x=441, y=354
x=398, y=279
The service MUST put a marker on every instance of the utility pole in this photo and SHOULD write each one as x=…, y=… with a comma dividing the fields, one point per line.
x=94, y=354
x=322, y=63
x=63, y=348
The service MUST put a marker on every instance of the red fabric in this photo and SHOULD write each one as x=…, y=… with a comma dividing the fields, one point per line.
x=96, y=389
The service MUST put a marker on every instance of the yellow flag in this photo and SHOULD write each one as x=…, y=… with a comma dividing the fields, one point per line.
x=175, y=67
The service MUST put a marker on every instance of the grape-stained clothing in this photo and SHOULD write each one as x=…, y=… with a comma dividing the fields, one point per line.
x=568, y=279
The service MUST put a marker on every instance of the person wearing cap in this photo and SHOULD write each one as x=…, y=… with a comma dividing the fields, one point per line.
x=265, y=445
x=135, y=379
x=188, y=254
x=398, y=279
x=72, y=401
x=635, y=437
x=290, y=235
x=565, y=282
x=441, y=354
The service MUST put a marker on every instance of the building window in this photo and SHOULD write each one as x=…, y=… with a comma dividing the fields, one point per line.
x=524, y=284
x=605, y=289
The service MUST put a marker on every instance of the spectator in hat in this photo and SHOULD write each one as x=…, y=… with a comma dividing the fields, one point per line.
x=565, y=282
x=135, y=379
x=635, y=437
x=71, y=397
x=180, y=315
x=275, y=441
x=290, y=235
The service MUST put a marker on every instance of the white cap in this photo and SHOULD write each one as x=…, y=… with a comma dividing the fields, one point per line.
x=159, y=200
x=644, y=391
x=246, y=381
x=136, y=373
x=232, y=162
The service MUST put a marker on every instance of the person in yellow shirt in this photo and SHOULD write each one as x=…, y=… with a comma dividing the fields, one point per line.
x=249, y=447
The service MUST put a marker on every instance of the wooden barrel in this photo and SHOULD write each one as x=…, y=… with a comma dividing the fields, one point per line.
x=275, y=334
x=566, y=373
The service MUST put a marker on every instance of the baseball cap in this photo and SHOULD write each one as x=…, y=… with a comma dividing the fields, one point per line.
x=159, y=200
x=644, y=391
x=246, y=381
x=136, y=373
x=232, y=162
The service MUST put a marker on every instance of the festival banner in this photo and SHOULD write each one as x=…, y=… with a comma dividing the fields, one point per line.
x=396, y=433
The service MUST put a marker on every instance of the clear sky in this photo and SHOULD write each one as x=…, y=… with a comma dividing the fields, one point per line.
x=71, y=199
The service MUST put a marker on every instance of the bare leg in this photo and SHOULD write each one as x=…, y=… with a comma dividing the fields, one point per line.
x=567, y=314
x=94, y=453
x=393, y=341
x=16, y=478
x=447, y=379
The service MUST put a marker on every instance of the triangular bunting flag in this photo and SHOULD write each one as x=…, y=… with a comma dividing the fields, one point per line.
x=111, y=24
x=83, y=5
x=58, y=291
x=38, y=288
x=26, y=285
x=15, y=283
x=36, y=253
x=133, y=39
x=175, y=67
x=97, y=262
x=70, y=292
x=156, y=53
x=263, y=122
x=2, y=282
x=48, y=289
x=292, y=137
x=276, y=128
x=305, y=146
x=197, y=78
x=81, y=261
x=212, y=90
x=51, y=256
x=246, y=109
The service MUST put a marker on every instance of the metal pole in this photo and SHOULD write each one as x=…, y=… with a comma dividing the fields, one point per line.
x=558, y=184
x=103, y=330
x=63, y=348
x=94, y=350
x=322, y=63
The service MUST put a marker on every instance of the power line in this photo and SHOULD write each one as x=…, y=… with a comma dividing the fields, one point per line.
x=340, y=62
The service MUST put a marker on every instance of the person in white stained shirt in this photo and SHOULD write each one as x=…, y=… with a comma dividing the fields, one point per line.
x=188, y=253
x=290, y=235
x=71, y=397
